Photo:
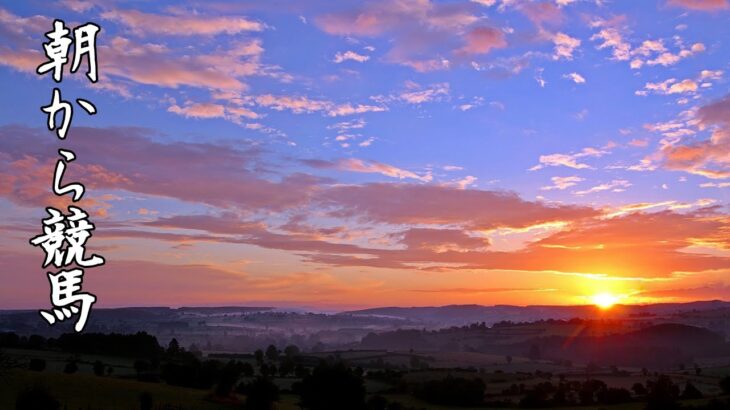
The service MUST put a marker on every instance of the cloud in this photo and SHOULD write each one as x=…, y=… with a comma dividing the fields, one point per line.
x=612, y=38
x=653, y=52
x=433, y=204
x=141, y=23
x=447, y=227
x=701, y=5
x=670, y=86
x=617, y=185
x=351, y=56
x=639, y=247
x=711, y=157
x=210, y=110
x=414, y=93
x=423, y=95
x=481, y=40
x=370, y=167
x=562, y=183
x=300, y=104
x=129, y=159
x=640, y=143
x=569, y=160
x=424, y=35
x=564, y=46
x=541, y=13
x=575, y=77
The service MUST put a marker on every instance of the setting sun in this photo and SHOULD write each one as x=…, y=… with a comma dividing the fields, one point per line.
x=605, y=300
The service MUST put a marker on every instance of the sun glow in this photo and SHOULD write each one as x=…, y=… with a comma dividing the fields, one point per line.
x=605, y=300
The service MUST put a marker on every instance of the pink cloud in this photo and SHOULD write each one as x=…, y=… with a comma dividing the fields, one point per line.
x=181, y=25
x=701, y=5
x=481, y=40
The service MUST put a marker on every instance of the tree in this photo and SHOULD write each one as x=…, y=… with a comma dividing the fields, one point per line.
x=614, y=395
x=259, y=355
x=247, y=369
x=71, y=367
x=332, y=387
x=691, y=392
x=173, y=348
x=227, y=380
x=725, y=384
x=286, y=366
x=292, y=351
x=99, y=368
x=261, y=394
x=663, y=394
x=272, y=353
x=639, y=389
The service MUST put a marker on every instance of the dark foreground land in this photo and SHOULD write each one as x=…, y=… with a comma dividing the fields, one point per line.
x=422, y=359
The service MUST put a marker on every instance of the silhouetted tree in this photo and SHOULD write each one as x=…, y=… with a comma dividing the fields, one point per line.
x=98, y=368
x=301, y=371
x=71, y=367
x=286, y=366
x=639, y=389
x=663, y=394
x=590, y=390
x=332, y=387
x=291, y=351
x=247, y=369
x=261, y=394
x=691, y=392
x=228, y=378
x=259, y=355
x=614, y=395
x=272, y=353
x=173, y=348
x=725, y=384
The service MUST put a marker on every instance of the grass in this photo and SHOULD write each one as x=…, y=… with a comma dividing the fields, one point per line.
x=93, y=392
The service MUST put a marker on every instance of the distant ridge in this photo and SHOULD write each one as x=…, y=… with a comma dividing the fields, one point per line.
x=464, y=314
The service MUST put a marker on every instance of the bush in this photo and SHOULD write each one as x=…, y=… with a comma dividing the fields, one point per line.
x=261, y=394
x=725, y=384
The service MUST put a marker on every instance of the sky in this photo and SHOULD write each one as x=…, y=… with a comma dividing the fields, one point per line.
x=338, y=155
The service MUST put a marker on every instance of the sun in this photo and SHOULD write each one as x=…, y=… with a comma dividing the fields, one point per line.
x=605, y=300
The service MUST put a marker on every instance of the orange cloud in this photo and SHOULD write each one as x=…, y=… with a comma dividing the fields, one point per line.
x=711, y=157
x=701, y=5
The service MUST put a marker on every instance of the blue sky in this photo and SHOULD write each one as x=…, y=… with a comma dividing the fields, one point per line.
x=556, y=121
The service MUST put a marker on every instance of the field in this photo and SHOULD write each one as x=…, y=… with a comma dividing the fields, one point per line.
x=86, y=391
